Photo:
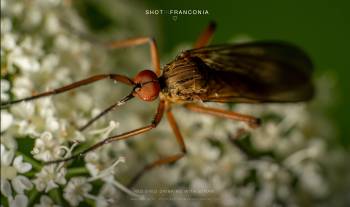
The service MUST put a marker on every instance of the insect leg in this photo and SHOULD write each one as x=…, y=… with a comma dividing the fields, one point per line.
x=121, y=43
x=71, y=86
x=205, y=36
x=102, y=113
x=139, y=41
x=250, y=120
x=168, y=159
x=157, y=118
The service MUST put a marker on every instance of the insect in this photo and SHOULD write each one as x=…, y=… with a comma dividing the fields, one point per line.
x=253, y=72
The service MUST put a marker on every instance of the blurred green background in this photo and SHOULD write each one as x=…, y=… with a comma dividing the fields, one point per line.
x=321, y=27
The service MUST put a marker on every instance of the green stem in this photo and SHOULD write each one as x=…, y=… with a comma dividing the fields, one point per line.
x=76, y=171
x=90, y=202
x=32, y=196
x=56, y=196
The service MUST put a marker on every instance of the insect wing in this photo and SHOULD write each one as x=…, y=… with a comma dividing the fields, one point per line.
x=257, y=72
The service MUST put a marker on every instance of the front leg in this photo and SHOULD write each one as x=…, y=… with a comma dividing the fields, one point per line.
x=139, y=41
x=168, y=159
x=157, y=118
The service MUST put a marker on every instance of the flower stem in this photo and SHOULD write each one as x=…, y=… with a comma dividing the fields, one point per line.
x=56, y=196
x=32, y=197
x=76, y=171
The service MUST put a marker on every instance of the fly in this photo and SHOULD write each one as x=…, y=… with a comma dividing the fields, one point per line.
x=256, y=72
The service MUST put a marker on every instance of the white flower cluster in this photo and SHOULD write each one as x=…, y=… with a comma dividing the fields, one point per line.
x=281, y=163
x=266, y=168
x=12, y=169
x=38, y=53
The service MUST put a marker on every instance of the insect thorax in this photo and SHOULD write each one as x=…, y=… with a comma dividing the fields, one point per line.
x=185, y=79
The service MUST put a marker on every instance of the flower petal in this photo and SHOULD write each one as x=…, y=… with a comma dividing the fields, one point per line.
x=21, y=166
x=19, y=201
x=45, y=201
x=50, y=185
x=2, y=149
x=6, y=120
x=6, y=188
x=21, y=183
x=7, y=157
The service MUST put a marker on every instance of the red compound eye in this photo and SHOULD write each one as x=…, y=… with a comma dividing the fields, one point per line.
x=150, y=87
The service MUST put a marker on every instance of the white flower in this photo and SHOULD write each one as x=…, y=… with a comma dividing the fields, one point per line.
x=107, y=175
x=8, y=41
x=228, y=199
x=22, y=87
x=312, y=180
x=50, y=62
x=6, y=24
x=93, y=160
x=46, y=147
x=10, y=169
x=76, y=189
x=92, y=163
x=107, y=196
x=20, y=200
x=5, y=86
x=84, y=101
x=52, y=24
x=15, y=8
x=265, y=195
x=104, y=132
x=34, y=16
x=23, y=113
x=265, y=138
x=6, y=120
x=49, y=177
x=45, y=201
x=25, y=62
